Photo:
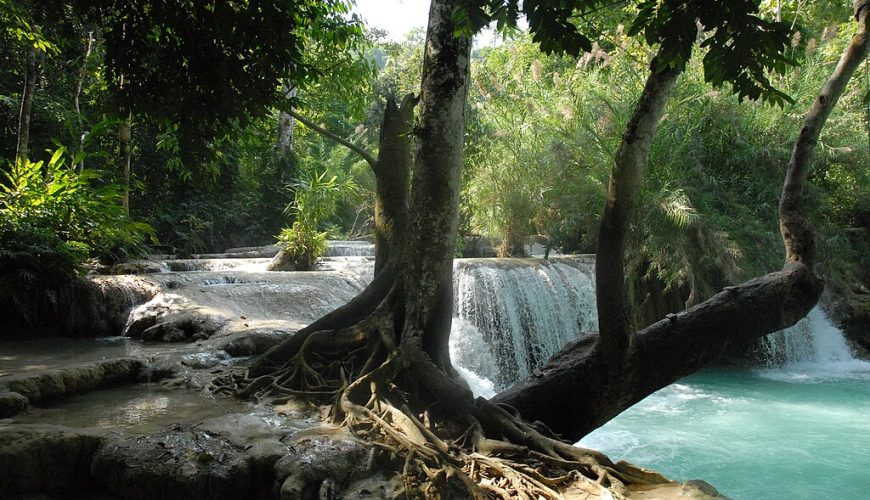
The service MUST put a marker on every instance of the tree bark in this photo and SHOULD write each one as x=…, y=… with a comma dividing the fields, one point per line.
x=392, y=174
x=427, y=259
x=681, y=344
x=79, y=86
x=284, y=147
x=798, y=237
x=125, y=130
x=614, y=313
x=31, y=73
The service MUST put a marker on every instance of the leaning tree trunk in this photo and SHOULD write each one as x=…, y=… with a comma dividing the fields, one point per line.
x=797, y=236
x=683, y=343
x=626, y=179
x=31, y=71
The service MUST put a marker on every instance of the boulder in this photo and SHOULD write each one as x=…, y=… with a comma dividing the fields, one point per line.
x=139, y=267
x=11, y=403
x=186, y=463
x=46, y=459
x=173, y=318
x=76, y=379
x=255, y=341
x=283, y=261
x=321, y=462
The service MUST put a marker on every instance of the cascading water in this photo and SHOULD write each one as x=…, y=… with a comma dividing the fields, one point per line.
x=794, y=427
x=335, y=248
x=513, y=314
x=812, y=345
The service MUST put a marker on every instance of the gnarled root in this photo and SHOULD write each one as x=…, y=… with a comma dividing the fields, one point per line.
x=425, y=425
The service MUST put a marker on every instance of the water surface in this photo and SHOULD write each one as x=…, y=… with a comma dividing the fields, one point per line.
x=754, y=434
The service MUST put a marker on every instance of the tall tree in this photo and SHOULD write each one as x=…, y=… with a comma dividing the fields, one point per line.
x=383, y=357
x=25, y=23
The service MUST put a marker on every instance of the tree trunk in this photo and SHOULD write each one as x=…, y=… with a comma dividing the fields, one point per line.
x=284, y=146
x=125, y=129
x=31, y=74
x=683, y=343
x=392, y=174
x=614, y=314
x=427, y=260
x=83, y=72
x=391, y=168
x=798, y=237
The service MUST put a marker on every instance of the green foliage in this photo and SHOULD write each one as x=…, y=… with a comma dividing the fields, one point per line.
x=543, y=130
x=86, y=219
x=52, y=219
x=16, y=19
x=316, y=196
x=302, y=245
x=212, y=66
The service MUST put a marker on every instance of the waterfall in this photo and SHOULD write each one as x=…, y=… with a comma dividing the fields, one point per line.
x=511, y=315
x=335, y=248
x=812, y=345
x=219, y=264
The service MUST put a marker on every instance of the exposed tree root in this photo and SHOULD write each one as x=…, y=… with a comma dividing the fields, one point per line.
x=425, y=425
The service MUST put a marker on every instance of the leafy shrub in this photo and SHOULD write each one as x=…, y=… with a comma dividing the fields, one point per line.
x=315, y=198
x=52, y=219
x=302, y=245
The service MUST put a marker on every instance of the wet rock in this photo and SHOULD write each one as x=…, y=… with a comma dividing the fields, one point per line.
x=173, y=318
x=283, y=261
x=139, y=267
x=263, y=455
x=187, y=463
x=159, y=368
x=255, y=341
x=91, y=307
x=851, y=312
x=262, y=251
x=374, y=487
x=46, y=459
x=76, y=379
x=340, y=459
x=202, y=360
x=690, y=490
x=11, y=403
x=260, y=441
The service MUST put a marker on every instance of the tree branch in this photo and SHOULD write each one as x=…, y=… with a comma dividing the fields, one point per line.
x=326, y=133
x=626, y=178
x=683, y=343
x=796, y=234
x=594, y=390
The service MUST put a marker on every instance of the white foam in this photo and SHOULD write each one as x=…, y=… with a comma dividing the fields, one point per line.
x=813, y=349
